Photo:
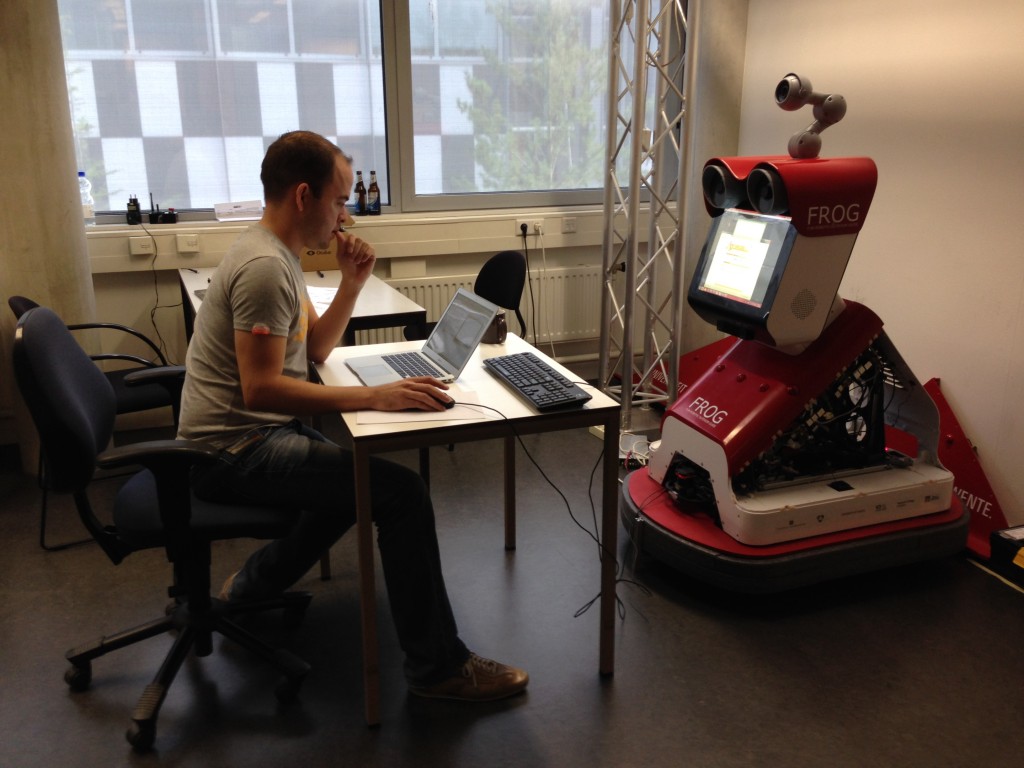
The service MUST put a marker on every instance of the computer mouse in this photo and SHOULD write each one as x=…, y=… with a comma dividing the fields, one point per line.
x=449, y=403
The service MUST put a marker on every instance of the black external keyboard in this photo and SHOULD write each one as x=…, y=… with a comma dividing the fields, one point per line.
x=536, y=381
x=409, y=364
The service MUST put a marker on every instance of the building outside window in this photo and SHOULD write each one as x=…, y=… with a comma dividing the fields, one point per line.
x=179, y=99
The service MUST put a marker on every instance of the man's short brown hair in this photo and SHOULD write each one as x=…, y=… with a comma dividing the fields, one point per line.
x=297, y=157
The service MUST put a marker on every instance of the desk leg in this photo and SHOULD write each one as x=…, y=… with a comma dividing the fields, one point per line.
x=610, y=545
x=510, y=493
x=367, y=589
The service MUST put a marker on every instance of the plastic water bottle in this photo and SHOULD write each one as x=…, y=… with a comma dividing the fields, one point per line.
x=88, y=204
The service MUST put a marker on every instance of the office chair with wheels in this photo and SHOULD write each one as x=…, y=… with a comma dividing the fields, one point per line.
x=141, y=386
x=73, y=407
x=500, y=280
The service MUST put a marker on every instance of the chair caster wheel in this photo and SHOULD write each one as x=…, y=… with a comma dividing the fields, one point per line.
x=288, y=689
x=78, y=676
x=141, y=735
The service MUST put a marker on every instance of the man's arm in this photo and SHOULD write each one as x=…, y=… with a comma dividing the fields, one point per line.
x=265, y=387
x=355, y=261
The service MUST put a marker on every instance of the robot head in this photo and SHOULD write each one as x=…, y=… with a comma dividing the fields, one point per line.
x=792, y=93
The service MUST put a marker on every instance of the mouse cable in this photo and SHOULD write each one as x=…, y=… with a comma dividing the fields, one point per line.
x=619, y=578
x=602, y=550
x=593, y=512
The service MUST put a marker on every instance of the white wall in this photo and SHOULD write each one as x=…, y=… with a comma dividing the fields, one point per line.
x=935, y=93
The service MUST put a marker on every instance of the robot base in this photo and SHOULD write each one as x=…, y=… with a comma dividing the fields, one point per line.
x=694, y=545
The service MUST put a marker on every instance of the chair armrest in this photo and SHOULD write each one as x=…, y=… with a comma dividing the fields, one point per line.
x=123, y=329
x=126, y=357
x=159, y=456
x=170, y=377
x=162, y=374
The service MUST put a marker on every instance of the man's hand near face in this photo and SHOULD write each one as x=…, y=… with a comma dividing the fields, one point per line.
x=355, y=259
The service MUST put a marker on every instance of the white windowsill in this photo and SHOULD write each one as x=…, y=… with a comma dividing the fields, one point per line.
x=394, y=236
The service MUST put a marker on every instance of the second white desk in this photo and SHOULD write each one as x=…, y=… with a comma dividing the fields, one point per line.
x=379, y=305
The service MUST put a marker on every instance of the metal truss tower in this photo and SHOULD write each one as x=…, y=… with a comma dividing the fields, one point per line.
x=651, y=73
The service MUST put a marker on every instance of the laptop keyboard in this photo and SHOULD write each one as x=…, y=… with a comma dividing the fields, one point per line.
x=536, y=382
x=409, y=364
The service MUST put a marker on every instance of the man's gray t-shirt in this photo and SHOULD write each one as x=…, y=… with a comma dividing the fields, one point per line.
x=258, y=288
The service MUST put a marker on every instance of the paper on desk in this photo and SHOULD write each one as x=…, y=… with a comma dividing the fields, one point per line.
x=321, y=297
x=463, y=410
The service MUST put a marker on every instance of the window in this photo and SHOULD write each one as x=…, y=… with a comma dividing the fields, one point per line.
x=507, y=100
x=494, y=102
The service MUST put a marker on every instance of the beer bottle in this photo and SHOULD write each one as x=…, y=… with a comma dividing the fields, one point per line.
x=360, y=195
x=373, y=196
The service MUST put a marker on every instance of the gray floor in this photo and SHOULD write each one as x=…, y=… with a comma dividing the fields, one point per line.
x=918, y=666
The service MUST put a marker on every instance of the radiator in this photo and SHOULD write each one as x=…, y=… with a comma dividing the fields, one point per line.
x=566, y=303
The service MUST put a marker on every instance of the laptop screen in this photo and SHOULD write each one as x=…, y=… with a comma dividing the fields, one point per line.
x=458, y=332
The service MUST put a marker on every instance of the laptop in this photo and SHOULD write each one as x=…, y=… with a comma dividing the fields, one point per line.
x=445, y=352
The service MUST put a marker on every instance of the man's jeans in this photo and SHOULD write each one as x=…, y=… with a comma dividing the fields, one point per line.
x=296, y=467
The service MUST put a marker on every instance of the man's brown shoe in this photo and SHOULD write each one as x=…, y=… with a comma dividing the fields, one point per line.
x=479, y=679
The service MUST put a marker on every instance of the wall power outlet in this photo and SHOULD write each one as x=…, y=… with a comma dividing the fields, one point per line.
x=533, y=226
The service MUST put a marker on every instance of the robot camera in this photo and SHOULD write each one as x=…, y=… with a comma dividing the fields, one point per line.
x=792, y=93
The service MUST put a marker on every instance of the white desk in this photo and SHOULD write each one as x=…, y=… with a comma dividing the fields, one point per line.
x=379, y=305
x=419, y=432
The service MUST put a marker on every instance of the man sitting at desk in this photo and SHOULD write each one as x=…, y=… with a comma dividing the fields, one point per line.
x=246, y=387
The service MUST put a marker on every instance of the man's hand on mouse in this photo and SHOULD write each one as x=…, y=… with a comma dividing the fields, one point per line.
x=421, y=393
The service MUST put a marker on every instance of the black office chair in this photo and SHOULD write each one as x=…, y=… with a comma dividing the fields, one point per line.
x=141, y=386
x=501, y=280
x=73, y=407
